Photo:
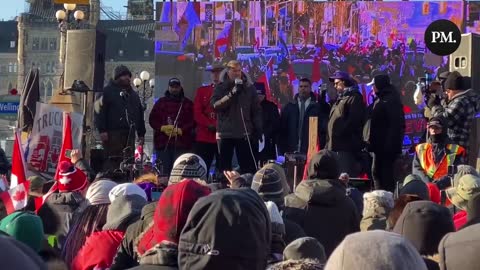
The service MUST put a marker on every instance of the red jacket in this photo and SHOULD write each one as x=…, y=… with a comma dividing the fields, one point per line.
x=166, y=107
x=204, y=114
x=98, y=251
x=459, y=219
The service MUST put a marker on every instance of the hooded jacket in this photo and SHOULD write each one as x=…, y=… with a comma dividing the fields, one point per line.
x=110, y=112
x=16, y=255
x=459, y=114
x=126, y=255
x=385, y=124
x=375, y=250
x=229, y=229
x=459, y=250
x=167, y=108
x=229, y=108
x=377, y=206
x=100, y=247
x=289, y=125
x=169, y=218
x=320, y=204
x=424, y=223
x=57, y=213
x=204, y=114
x=345, y=125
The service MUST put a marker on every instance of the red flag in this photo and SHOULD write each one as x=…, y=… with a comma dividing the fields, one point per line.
x=16, y=198
x=67, y=142
x=316, y=75
x=18, y=166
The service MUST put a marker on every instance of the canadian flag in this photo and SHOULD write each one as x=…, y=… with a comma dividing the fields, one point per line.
x=15, y=198
x=67, y=142
x=18, y=166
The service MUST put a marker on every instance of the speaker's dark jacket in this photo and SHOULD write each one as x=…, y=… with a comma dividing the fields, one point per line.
x=115, y=111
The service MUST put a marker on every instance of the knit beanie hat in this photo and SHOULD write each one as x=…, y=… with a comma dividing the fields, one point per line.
x=188, y=166
x=120, y=71
x=266, y=182
x=98, y=191
x=413, y=184
x=36, y=183
x=305, y=248
x=24, y=227
x=454, y=81
x=71, y=178
x=123, y=211
x=126, y=189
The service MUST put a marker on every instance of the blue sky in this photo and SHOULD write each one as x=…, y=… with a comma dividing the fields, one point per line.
x=14, y=7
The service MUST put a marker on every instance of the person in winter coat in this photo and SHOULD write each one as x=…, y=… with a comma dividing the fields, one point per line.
x=206, y=119
x=124, y=190
x=459, y=196
x=413, y=185
x=345, y=125
x=271, y=122
x=305, y=248
x=295, y=120
x=172, y=122
x=473, y=212
x=352, y=192
x=157, y=246
x=100, y=247
x=375, y=250
x=383, y=132
x=459, y=109
x=188, y=166
x=377, y=206
x=424, y=224
x=16, y=255
x=398, y=207
x=277, y=244
x=25, y=227
x=229, y=229
x=239, y=118
x=61, y=203
x=89, y=218
x=322, y=196
x=118, y=115
x=35, y=192
x=459, y=250
x=127, y=256
x=5, y=164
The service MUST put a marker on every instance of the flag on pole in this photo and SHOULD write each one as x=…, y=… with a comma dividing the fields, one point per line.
x=15, y=198
x=18, y=162
x=67, y=142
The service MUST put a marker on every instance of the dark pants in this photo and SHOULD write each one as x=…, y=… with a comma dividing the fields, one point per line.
x=383, y=165
x=167, y=157
x=348, y=163
x=119, y=144
x=268, y=153
x=244, y=156
x=207, y=151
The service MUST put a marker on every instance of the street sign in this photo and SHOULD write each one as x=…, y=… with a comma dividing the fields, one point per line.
x=9, y=107
x=78, y=2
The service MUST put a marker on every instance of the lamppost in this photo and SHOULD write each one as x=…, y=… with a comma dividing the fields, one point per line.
x=64, y=24
x=146, y=92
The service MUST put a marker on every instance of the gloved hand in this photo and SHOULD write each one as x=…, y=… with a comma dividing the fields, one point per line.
x=167, y=129
x=212, y=128
x=443, y=183
x=433, y=100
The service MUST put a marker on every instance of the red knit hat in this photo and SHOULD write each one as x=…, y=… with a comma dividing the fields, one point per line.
x=71, y=178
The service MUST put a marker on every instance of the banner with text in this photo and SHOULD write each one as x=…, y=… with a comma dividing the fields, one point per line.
x=46, y=139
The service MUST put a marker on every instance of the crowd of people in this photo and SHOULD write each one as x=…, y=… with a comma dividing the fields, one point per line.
x=254, y=215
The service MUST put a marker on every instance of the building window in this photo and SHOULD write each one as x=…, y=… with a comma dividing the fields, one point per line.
x=42, y=91
x=36, y=44
x=49, y=89
x=3, y=68
x=44, y=44
x=15, y=67
x=12, y=44
x=10, y=67
x=120, y=52
x=146, y=53
x=53, y=44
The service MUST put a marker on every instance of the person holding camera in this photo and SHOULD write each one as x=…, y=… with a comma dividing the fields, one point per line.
x=119, y=114
x=458, y=108
x=434, y=159
x=239, y=118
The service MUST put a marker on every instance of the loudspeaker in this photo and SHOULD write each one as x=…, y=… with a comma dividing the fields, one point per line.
x=465, y=60
x=85, y=58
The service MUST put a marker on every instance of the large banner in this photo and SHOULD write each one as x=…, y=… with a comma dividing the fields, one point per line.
x=45, y=142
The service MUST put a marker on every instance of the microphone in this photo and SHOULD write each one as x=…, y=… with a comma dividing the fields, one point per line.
x=124, y=94
x=238, y=81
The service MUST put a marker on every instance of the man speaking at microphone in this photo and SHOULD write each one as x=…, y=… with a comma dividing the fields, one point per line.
x=239, y=119
x=118, y=116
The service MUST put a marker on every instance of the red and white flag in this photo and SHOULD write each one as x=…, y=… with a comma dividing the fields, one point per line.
x=18, y=163
x=15, y=198
x=67, y=142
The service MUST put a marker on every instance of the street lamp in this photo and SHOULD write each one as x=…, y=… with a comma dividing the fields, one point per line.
x=146, y=92
x=64, y=24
